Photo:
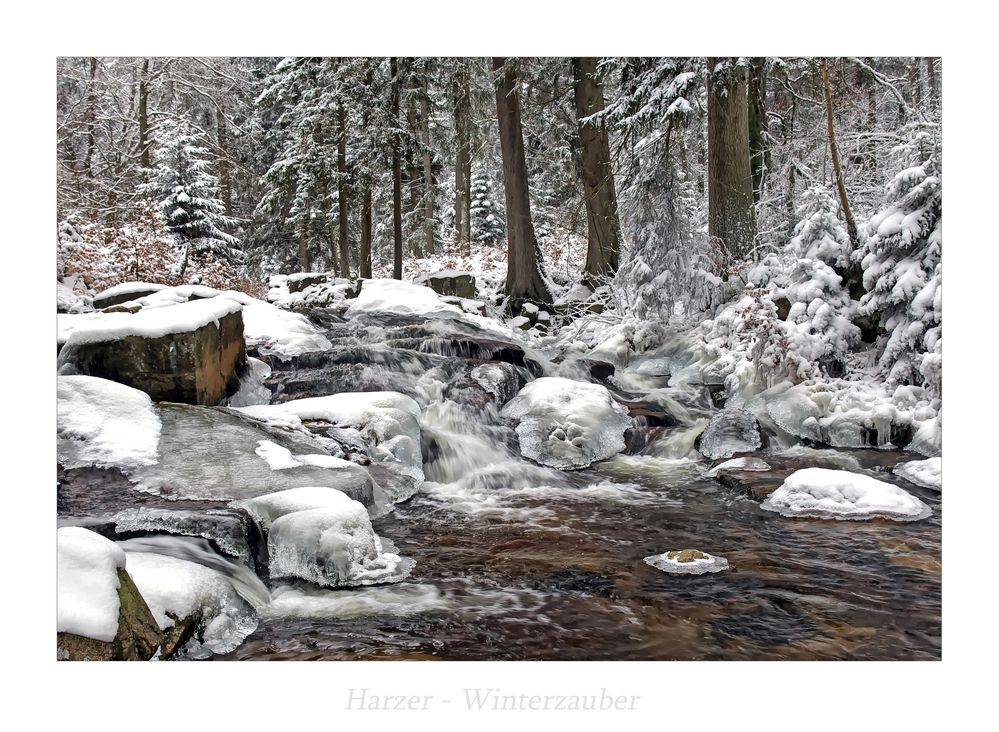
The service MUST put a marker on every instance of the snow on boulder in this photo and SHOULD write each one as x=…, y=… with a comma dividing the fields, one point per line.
x=730, y=431
x=389, y=422
x=104, y=423
x=687, y=561
x=568, y=424
x=125, y=292
x=266, y=509
x=839, y=494
x=194, y=605
x=101, y=615
x=68, y=301
x=449, y=282
x=185, y=353
x=332, y=545
x=744, y=463
x=394, y=297
x=924, y=473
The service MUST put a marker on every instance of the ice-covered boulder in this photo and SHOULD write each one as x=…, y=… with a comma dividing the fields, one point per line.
x=924, y=473
x=186, y=353
x=753, y=464
x=730, y=431
x=321, y=535
x=101, y=615
x=196, y=607
x=568, y=424
x=125, y=292
x=449, y=282
x=839, y=494
x=228, y=529
x=687, y=561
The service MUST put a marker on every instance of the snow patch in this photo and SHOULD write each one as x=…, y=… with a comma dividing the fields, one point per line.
x=925, y=473
x=87, y=573
x=824, y=493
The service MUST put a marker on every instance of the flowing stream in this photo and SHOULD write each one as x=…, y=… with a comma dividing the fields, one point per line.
x=518, y=561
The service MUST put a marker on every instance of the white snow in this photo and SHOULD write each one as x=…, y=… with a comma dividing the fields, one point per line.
x=280, y=458
x=127, y=288
x=104, y=423
x=743, y=463
x=568, y=424
x=824, y=493
x=387, y=420
x=394, y=297
x=87, y=571
x=925, y=473
x=333, y=546
x=268, y=508
x=672, y=562
x=171, y=585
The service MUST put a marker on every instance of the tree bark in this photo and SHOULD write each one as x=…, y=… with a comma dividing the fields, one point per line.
x=758, y=149
x=364, y=257
x=91, y=119
x=463, y=161
x=603, y=225
x=731, y=218
x=225, y=178
x=396, y=176
x=428, y=171
x=341, y=189
x=851, y=227
x=523, y=275
x=933, y=79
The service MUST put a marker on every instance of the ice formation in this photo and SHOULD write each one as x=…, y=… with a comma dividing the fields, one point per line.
x=730, y=431
x=839, y=494
x=104, y=423
x=87, y=580
x=743, y=463
x=568, y=424
x=687, y=561
x=925, y=473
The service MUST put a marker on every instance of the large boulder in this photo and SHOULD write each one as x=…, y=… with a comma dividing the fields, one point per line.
x=450, y=282
x=303, y=280
x=102, y=616
x=188, y=353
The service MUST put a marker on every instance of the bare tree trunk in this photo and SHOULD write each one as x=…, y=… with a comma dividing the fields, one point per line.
x=396, y=176
x=731, y=218
x=304, y=256
x=933, y=78
x=851, y=227
x=428, y=172
x=341, y=189
x=463, y=162
x=523, y=275
x=364, y=257
x=603, y=225
x=91, y=117
x=144, y=116
x=758, y=149
x=414, y=176
x=225, y=179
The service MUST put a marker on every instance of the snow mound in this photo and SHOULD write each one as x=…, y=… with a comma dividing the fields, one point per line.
x=394, y=297
x=266, y=509
x=730, y=431
x=925, y=473
x=332, y=546
x=104, y=423
x=129, y=288
x=180, y=588
x=568, y=424
x=280, y=458
x=839, y=494
x=386, y=420
x=743, y=463
x=687, y=561
x=88, y=567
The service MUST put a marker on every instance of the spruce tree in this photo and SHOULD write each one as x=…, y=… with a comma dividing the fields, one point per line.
x=488, y=225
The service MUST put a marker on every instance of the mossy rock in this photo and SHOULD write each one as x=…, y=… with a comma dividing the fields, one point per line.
x=686, y=555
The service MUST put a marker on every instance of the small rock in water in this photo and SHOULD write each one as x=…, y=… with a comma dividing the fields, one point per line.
x=754, y=464
x=731, y=431
x=687, y=561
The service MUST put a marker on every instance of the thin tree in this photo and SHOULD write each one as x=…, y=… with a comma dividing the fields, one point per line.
x=463, y=157
x=396, y=174
x=523, y=275
x=758, y=150
x=602, y=222
x=851, y=227
x=731, y=219
x=428, y=171
x=341, y=189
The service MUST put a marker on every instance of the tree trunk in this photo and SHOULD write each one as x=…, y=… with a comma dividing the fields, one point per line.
x=428, y=171
x=225, y=178
x=523, y=276
x=414, y=176
x=851, y=227
x=304, y=256
x=396, y=176
x=933, y=79
x=758, y=149
x=463, y=161
x=144, y=116
x=364, y=257
x=731, y=218
x=341, y=189
x=603, y=225
x=91, y=120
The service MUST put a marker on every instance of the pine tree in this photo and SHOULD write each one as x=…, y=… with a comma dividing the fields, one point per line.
x=488, y=215
x=902, y=267
x=187, y=192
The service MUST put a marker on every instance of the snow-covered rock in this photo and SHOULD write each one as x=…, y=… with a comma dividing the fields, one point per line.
x=332, y=545
x=182, y=589
x=87, y=571
x=68, y=301
x=687, y=561
x=124, y=292
x=925, y=473
x=394, y=297
x=104, y=423
x=839, y=494
x=568, y=424
x=449, y=282
x=730, y=431
x=744, y=463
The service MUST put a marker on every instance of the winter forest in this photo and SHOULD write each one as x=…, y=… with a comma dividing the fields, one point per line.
x=619, y=358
